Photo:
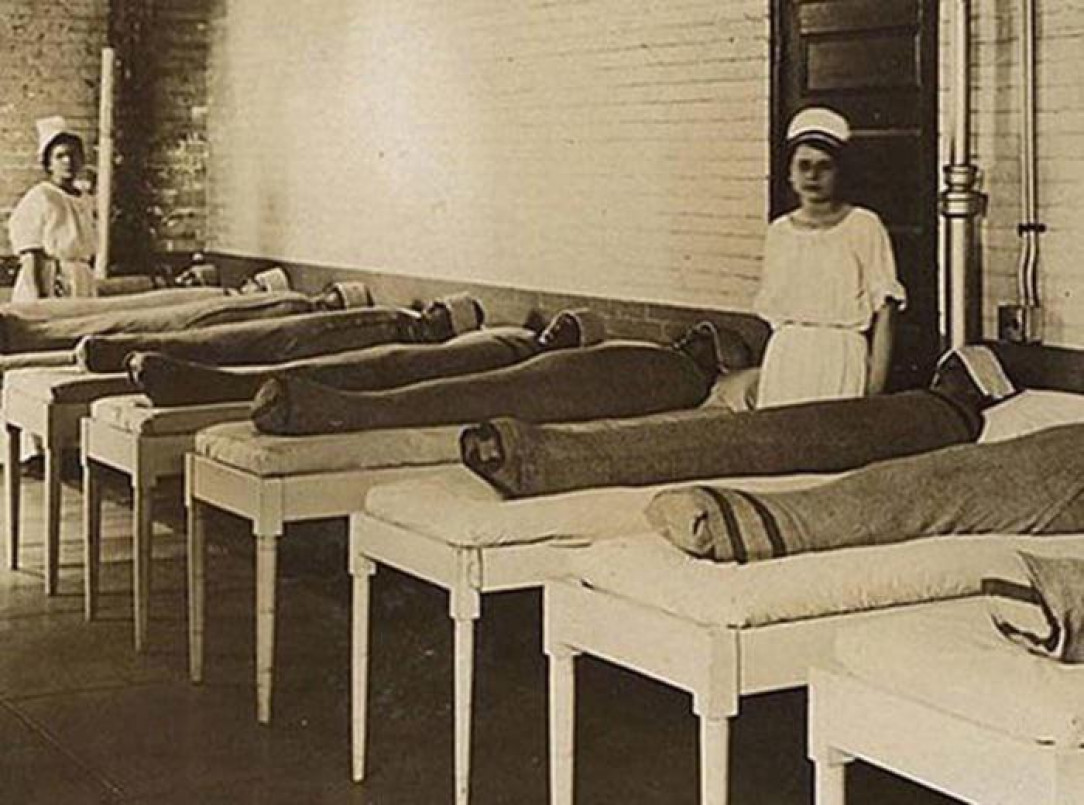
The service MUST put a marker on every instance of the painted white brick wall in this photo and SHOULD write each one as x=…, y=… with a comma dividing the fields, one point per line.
x=1060, y=150
x=616, y=147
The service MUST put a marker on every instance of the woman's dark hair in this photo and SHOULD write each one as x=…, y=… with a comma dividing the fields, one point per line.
x=64, y=138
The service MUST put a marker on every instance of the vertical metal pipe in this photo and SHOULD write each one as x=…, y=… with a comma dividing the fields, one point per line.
x=961, y=91
x=1030, y=228
x=961, y=203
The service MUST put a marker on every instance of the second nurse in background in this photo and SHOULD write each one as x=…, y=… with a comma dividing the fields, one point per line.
x=829, y=288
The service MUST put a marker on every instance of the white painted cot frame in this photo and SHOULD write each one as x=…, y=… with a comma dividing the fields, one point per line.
x=57, y=425
x=146, y=458
x=852, y=718
x=269, y=503
x=466, y=572
x=715, y=663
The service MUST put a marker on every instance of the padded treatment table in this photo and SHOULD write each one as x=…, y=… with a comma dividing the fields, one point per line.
x=47, y=403
x=723, y=631
x=146, y=443
x=452, y=529
x=939, y=697
x=275, y=480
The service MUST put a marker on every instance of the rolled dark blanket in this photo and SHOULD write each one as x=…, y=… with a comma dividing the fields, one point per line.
x=522, y=459
x=171, y=381
x=38, y=335
x=256, y=342
x=610, y=380
x=1030, y=485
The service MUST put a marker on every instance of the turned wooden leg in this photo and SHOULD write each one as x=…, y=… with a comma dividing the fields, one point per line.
x=52, y=519
x=196, y=586
x=562, y=724
x=714, y=760
x=829, y=783
x=142, y=553
x=92, y=537
x=359, y=644
x=12, y=493
x=465, y=607
x=266, y=569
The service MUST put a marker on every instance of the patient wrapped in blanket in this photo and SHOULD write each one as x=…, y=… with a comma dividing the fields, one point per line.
x=521, y=458
x=56, y=307
x=169, y=381
x=293, y=338
x=1033, y=484
x=25, y=334
x=612, y=379
x=1045, y=616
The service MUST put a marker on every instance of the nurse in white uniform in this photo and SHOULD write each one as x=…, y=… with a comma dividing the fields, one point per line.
x=829, y=288
x=52, y=228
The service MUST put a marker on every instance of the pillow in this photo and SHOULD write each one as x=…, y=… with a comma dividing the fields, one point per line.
x=1029, y=411
x=736, y=390
x=973, y=376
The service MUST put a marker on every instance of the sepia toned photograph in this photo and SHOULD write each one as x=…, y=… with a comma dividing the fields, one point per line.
x=542, y=402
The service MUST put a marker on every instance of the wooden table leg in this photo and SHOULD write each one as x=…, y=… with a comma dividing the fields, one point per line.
x=12, y=492
x=562, y=707
x=53, y=456
x=92, y=536
x=465, y=605
x=142, y=528
x=196, y=586
x=359, y=665
x=266, y=572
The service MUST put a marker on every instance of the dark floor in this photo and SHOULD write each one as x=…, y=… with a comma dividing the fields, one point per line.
x=83, y=719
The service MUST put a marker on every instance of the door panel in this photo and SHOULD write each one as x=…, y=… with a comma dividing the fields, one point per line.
x=876, y=62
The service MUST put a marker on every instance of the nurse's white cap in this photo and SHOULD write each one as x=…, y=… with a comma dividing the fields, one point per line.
x=49, y=128
x=819, y=124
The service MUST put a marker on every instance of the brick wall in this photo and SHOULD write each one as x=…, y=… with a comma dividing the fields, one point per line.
x=614, y=148
x=50, y=62
x=1060, y=149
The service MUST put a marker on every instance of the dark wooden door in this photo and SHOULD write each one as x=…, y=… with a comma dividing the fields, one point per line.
x=876, y=62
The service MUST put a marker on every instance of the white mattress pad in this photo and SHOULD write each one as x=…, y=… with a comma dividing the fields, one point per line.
x=456, y=506
x=650, y=570
x=65, y=384
x=952, y=658
x=135, y=413
x=240, y=445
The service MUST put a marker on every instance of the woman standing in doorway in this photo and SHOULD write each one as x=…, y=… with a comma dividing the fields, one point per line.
x=52, y=228
x=829, y=288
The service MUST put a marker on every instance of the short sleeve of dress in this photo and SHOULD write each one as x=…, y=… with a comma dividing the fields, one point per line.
x=26, y=227
x=766, y=304
x=882, y=282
